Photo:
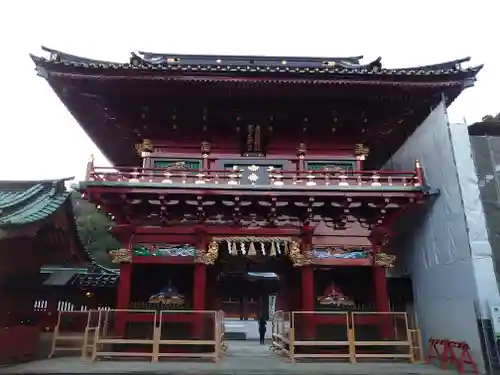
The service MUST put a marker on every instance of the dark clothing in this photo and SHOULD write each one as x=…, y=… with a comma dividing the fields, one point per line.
x=262, y=337
x=262, y=330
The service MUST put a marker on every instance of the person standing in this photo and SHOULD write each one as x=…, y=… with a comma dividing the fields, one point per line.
x=262, y=329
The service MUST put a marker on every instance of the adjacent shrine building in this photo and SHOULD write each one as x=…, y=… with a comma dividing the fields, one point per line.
x=227, y=167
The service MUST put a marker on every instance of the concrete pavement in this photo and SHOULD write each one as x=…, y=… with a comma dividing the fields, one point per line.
x=242, y=358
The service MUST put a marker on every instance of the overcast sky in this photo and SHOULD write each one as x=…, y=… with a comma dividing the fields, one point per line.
x=40, y=139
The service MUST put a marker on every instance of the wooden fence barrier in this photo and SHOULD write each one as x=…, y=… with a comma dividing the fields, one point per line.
x=69, y=332
x=417, y=347
x=222, y=338
x=110, y=335
x=90, y=333
x=207, y=335
x=297, y=339
x=393, y=337
x=342, y=348
x=282, y=334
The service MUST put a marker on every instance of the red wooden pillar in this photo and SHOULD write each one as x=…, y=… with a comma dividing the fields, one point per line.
x=281, y=295
x=307, y=320
x=199, y=286
x=381, y=296
x=123, y=297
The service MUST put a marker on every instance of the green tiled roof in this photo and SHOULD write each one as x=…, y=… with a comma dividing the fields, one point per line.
x=25, y=202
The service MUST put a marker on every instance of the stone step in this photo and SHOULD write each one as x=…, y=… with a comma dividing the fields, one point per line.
x=235, y=336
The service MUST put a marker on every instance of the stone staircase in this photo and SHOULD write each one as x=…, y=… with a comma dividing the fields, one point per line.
x=236, y=329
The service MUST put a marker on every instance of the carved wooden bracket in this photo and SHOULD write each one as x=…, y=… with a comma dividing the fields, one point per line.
x=385, y=260
x=121, y=256
x=208, y=256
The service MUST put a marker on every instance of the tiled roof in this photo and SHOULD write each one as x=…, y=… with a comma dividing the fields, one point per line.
x=258, y=66
x=81, y=277
x=25, y=202
x=95, y=280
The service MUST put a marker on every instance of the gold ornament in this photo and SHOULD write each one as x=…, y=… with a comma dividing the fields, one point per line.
x=212, y=253
x=145, y=146
x=121, y=256
x=385, y=260
x=361, y=150
x=299, y=259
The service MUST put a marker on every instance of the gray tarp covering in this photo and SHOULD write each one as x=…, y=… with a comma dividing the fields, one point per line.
x=446, y=252
x=475, y=215
x=486, y=154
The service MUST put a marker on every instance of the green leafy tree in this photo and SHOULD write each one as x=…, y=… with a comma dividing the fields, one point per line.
x=93, y=227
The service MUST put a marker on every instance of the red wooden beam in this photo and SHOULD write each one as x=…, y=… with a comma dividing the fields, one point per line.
x=343, y=262
x=165, y=238
x=162, y=260
x=215, y=231
x=97, y=190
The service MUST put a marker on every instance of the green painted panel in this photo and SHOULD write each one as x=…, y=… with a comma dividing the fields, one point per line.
x=188, y=164
x=345, y=165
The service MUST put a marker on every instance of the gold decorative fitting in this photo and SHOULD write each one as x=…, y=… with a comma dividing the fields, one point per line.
x=205, y=148
x=298, y=259
x=177, y=165
x=385, y=260
x=145, y=147
x=361, y=150
x=121, y=256
x=301, y=150
x=209, y=256
x=256, y=247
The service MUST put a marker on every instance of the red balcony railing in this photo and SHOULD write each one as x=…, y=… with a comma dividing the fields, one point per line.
x=272, y=177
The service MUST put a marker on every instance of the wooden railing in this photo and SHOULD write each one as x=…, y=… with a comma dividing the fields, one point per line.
x=292, y=336
x=70, y=333
x=275, y=177
x=152, y=339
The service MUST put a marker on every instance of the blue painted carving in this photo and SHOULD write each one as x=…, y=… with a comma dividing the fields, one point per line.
x=340, y=253
x=164, y=250
x=168, y=296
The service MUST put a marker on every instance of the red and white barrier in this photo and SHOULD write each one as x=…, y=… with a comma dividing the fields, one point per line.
x=447, y=352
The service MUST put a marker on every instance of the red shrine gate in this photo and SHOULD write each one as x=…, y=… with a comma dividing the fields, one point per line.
x=215, y=248
x=236, y=164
